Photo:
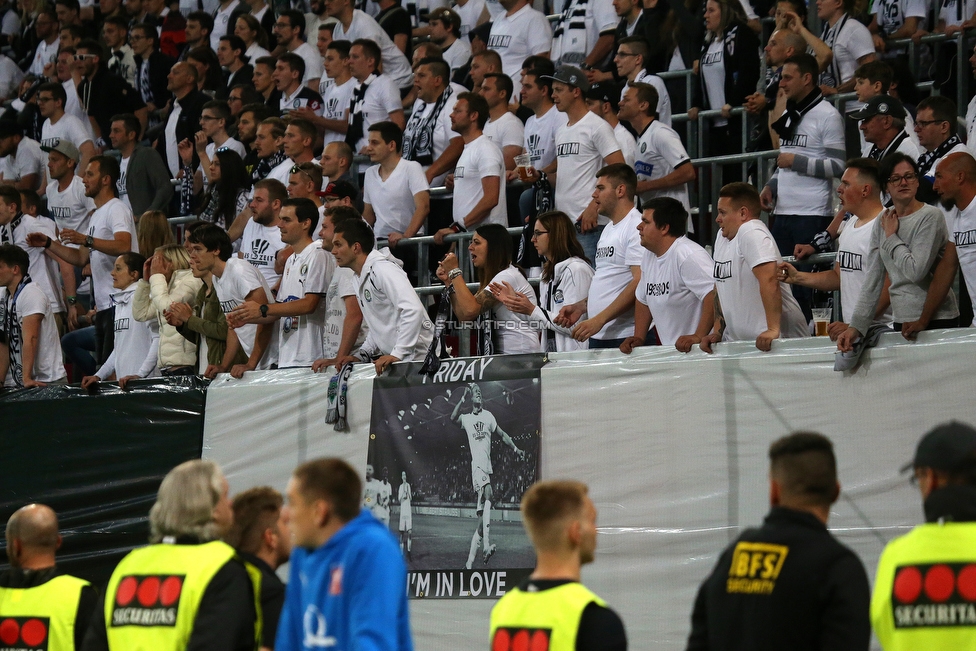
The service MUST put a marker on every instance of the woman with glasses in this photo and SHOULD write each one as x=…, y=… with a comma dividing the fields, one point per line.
x=910, y=239
x=566, y=277
x=226, y=194
x=249, y=30
x=502, y=332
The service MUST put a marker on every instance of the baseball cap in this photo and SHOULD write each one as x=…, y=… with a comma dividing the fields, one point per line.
x=947, y=447
x=879, y=105
x=62, y=146
x=9, y=128
x=605, y=91
x=570, y=75
x=341, y=189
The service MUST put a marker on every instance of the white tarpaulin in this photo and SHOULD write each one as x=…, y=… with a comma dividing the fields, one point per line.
x=672, y=446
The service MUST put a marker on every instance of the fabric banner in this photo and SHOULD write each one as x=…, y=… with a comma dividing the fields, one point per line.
x=460, y=448
x=97, y=460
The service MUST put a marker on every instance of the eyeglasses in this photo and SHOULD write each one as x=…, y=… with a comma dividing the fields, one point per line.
x=282, y=25
x=208, y=118
x=536, y=234
x=232, y=98
x=896, y=180
x=43, y=100
x=627, y=54
x=925, y=123
x=82, y=57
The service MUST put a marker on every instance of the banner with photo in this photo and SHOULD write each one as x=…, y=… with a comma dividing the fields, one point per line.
x=450, y=456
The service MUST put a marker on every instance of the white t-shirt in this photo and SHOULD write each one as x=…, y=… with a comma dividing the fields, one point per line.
x=44, y=271
x=712, y=68
x=506, y=131
x=628, y=146
x=300, y=337
x=570, y=284
x=255, y=52
x=856, y=247
x=221, y=21
x=28, y=159
x=891, y=14
x=238, y=280
x=820, y=130
x=68, y=127
x=335, y=104
x=393, y=199
x=479, y=428
x=470, y=12
x=43, y=55
x=514, y=335
x=618, y=250
x=394, y=64
x=516, y=37
x=113, y=217
x=313, y=62
x=540, y=137
x=259, y=246
x=443, y=133
x=581, y=149
x=481, y=158
x=663, y=97
x=738, y=287
x=121, y=190
x=457, y=54
x=48, y=362
x=280, y=172
x=70, y=208
x=659, y=152
x=598, y=16
x=953, y=14
x=971, y=126
x=673, y=287
x=342, y=286
x=382, y=98
x=962, y=231
x=11, y=75
x=73, y=107
x=849, y=40
x=231, y=143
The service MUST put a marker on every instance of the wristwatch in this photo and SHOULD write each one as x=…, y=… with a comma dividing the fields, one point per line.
x=264, y=311
x=89, y=242
x=72, y=300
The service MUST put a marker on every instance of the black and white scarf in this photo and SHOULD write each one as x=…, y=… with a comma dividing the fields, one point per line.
x=265, y=165
x=337, y=405
x=418, y=138
x=831, y=76
x=787, y=124
x=356, y=118
x=570, y=34
x=433, y=361
x=927, y=160
x=877, y=153
x=485, y=325
x=12, y=336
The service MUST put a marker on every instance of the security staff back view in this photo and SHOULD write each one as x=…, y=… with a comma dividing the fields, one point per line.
x=37, y=604
x=187, y=590
x=925, y=587
x=788, y=584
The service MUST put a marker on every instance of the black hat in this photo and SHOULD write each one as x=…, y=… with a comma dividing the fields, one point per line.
x=947, y=447
x=605, y=91
x=571, y=76
x=341, y=189
x=879, y=105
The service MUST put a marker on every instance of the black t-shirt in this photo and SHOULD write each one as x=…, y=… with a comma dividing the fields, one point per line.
x=22, y=579
x=395, y=20
x=600, y=628
x=272, y=598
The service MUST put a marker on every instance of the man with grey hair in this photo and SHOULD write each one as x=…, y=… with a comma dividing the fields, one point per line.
x=33, y=594
x=187, y=589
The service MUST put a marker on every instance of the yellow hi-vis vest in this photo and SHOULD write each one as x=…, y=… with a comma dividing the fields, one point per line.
x=925, y=589
x=154, y=594
x=523, y=620
x=45, y=614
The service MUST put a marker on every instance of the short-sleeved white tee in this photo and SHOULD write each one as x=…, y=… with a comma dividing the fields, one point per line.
x=313, y=62
x=28, y=159
x=259, y=246
x=395, y=64
x=962, y=232
x=443, y=132
x=342, y=286
x=628, y=146
x=69, y=208
x=891, y=14
x=820, y=130
x=48, y=363
x=481, y=158
x=300, y=337
x=238, y=280
x=336, y=102
x=856, y=247
x=599, y=18
x=516, y=37
x=113, y=217
x=44, y=271
x=660, y=152
x=382, y=98
x=479, y=428
x=514, y=335
x=68, y=127
x=849, y=40
x=618, y=250
x=457, y=54
x=673, y=287
x=470, y=13
x=393, y=199
x=738, y=287
x=506, y=131
x=540, y=137
x=581, y=149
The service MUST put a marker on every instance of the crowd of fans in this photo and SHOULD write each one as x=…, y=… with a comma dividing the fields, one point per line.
x=249, y=117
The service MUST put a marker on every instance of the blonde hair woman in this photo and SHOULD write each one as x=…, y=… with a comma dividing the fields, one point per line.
x=170, y=281
x=153, y=231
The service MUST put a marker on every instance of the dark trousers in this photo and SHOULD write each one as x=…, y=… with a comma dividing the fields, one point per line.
x=104, y=334
x=790, y=230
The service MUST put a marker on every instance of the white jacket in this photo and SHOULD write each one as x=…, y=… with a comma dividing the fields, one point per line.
x=136, y=343
x=153, y=298
x=397, y=320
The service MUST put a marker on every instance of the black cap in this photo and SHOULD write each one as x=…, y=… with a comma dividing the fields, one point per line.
x=947, y=447
x=341, y=189
x=605, y=91
x=879, y=105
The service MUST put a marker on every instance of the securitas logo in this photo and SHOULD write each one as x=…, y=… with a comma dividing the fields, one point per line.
x=24, y=633
x=517, y=639
x=755, y=568
x=934, y=595
x=152, y=600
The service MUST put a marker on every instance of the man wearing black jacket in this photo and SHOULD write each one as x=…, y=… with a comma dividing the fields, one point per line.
x=788, y=584
x=184, y=116
x=152, y=67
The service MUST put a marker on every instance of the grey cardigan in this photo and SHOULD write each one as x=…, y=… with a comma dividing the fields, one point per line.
x=147, y=181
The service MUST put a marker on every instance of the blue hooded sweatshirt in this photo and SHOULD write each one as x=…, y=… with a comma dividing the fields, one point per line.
x=350, y=594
